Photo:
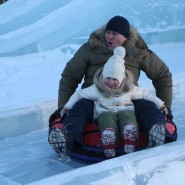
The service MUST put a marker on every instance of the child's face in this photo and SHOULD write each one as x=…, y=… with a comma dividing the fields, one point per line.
x=112, y=83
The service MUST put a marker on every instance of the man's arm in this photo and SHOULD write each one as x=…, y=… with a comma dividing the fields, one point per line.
x=72, y=75
x=161, y=77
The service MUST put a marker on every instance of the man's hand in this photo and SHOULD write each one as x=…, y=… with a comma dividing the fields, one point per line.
x=63, y=112
x=169, y=114
x=164, y=109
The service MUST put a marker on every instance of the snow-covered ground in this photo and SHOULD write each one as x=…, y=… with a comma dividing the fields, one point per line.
x=34, y=47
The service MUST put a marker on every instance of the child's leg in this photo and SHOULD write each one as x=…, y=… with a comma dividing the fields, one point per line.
x=129, y=130
x=108, y=128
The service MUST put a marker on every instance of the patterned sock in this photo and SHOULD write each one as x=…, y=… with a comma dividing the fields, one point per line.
x=130, y=135
x=156, y=135
x=108, y=140
x=57, y=141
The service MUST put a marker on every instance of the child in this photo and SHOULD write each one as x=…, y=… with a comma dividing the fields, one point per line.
x=112, y=93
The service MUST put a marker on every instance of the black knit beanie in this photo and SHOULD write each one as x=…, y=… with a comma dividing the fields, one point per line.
x=119, y=24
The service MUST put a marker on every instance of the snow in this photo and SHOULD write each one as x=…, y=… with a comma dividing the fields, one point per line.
x=37, y=38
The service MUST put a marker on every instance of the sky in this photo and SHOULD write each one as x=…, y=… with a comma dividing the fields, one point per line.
x=34, y=47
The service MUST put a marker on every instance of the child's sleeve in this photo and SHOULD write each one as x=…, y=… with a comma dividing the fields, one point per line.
x=88, y=93
x=139, y=93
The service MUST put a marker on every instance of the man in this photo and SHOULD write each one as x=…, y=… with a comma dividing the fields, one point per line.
x=93, y=55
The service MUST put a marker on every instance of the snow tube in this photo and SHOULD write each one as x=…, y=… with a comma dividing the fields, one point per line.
x=92, y=150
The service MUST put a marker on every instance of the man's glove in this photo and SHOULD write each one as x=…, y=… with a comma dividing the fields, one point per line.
x=169, y=114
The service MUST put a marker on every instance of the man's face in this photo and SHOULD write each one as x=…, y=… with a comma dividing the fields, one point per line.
x=114, y=39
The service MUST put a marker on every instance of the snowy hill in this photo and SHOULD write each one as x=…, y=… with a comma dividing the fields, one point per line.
x=35, y=44
x=51, y=24
x=151, y=167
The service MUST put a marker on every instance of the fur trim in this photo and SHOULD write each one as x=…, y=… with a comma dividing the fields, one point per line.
x=126, y=85
x=135, y=45
x=97, y=39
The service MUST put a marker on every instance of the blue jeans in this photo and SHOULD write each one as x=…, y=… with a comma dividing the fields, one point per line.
x=77, y=118
x=147, y=114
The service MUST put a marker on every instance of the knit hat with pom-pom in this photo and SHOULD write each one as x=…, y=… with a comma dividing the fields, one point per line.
x=119, y=24
x=115, y=66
